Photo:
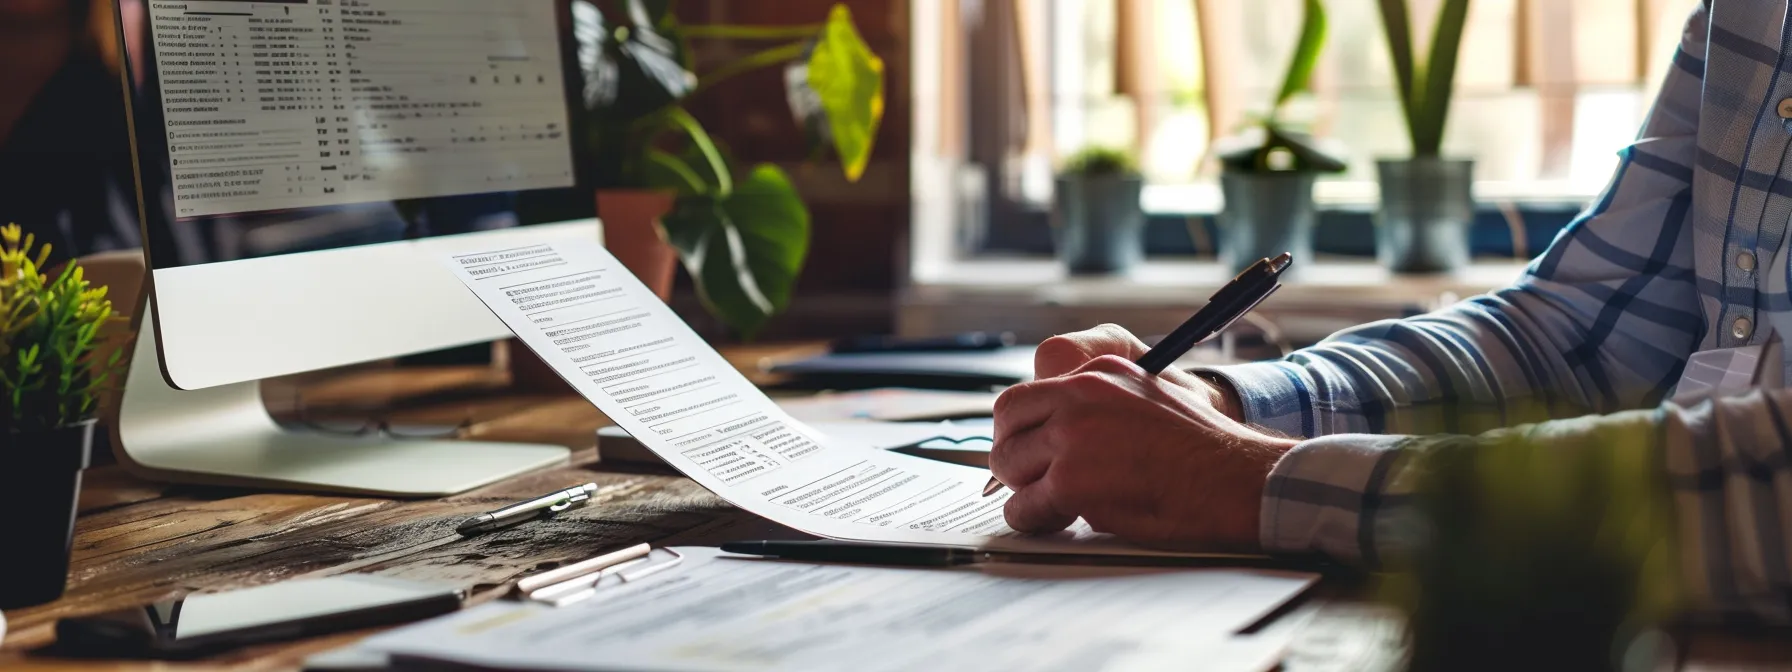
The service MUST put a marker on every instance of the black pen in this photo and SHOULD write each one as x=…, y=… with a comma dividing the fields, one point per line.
x=1226, y=306
x=863, y=554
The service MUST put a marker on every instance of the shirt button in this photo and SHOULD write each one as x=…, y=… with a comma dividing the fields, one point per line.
x=1786, y=109
x=1742, y=328
x=1745, y=261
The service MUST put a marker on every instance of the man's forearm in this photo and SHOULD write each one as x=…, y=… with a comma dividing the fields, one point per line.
x=1721, y=472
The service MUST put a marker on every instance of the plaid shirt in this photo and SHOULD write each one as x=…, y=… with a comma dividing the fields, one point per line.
x=1670, y=260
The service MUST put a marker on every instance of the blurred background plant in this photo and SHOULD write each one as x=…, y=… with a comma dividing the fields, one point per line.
x=1425, y=86
x=1427, y=201
x=1546, y=546
x=742, y=235
x=1098, y=161
x=1271, y=141
x=1097, y=217
x=49, y=333
x=1268, y=169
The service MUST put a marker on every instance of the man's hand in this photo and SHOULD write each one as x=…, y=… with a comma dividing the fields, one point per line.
x=1147, y=458
x=1061, y=355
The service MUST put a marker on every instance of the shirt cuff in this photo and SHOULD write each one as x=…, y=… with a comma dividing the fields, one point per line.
x=1271, y=394
x=1328, y=496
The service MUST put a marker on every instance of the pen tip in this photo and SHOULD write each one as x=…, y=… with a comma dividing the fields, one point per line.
x=992, y=487
x=1283, y=261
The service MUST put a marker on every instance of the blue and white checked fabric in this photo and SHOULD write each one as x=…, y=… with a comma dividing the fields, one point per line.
x=1669, y=261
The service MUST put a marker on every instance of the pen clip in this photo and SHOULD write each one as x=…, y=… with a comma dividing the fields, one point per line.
x=1240, y=315
x=578, y=495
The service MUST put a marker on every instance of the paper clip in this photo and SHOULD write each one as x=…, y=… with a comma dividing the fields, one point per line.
x=584, y=586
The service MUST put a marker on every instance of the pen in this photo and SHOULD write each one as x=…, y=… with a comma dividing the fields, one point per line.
x=551, y=577
x=865, y=554
x=1226, y=306
x=548, y=504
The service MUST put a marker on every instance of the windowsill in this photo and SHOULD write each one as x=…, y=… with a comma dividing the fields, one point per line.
x=1204, y=198
x=1187, y=280
x=1036, y=298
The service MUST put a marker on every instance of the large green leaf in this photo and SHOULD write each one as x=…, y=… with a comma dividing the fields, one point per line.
x=1439, y=79
x=848, y=80
x=1306, y=56
x=745, y=249
x=630, y=69
x=1397, y=23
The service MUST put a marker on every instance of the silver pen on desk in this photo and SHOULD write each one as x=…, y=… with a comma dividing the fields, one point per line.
x=550, y=503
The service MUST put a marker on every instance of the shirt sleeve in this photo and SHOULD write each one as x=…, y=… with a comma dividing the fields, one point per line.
x=1603, y=321
x=1706, y=491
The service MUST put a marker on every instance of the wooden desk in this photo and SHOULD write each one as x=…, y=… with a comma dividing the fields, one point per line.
x=138, y=541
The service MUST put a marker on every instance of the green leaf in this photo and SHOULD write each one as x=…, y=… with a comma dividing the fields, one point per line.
x=665, y=171
x=744, y=250
x=732, y=32
x=1398, y=24
x=1433, y=108
x=848, y=79
x=701, y=142
x=761, y=59
x=1306, y=56
x=630, y=69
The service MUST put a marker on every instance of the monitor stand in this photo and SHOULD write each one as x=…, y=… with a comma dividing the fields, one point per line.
x=225, y=436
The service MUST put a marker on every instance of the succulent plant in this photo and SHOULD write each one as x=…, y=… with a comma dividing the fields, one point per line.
x=50, y=332
x=1096, y=161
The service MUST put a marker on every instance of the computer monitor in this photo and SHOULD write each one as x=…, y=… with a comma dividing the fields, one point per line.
x=303, y=166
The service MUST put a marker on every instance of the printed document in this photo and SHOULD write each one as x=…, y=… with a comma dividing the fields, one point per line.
x=718, y=612
x=616, y=343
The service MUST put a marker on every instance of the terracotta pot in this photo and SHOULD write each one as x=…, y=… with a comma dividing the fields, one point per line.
x=632, y=232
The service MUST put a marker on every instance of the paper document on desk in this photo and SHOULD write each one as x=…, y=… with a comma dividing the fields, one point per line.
x=722, y=613
x=616, y=343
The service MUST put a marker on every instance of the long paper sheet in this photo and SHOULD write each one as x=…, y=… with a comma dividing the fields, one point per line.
x=616, y=343
x=718, y=613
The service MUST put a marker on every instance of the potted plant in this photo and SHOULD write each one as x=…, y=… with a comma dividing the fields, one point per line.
x=665, y=187
x=1099, y=222
x=50, y=385
x=1267, y=172
x=1427, y=201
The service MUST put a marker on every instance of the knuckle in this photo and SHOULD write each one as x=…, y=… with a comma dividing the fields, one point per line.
x=1091, y=384
x=1059, y=351
x=1007, y=399
x=1110, y=364
x=1111, y=330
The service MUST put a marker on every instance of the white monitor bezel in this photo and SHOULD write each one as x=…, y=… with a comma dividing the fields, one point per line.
x=247, y=320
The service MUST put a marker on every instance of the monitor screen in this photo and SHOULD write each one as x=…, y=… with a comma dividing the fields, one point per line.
x=268, y=127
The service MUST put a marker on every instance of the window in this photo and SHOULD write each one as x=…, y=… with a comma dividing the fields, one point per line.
x=1546, y=94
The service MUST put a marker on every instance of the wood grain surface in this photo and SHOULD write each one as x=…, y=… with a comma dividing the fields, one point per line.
x=138, y=541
